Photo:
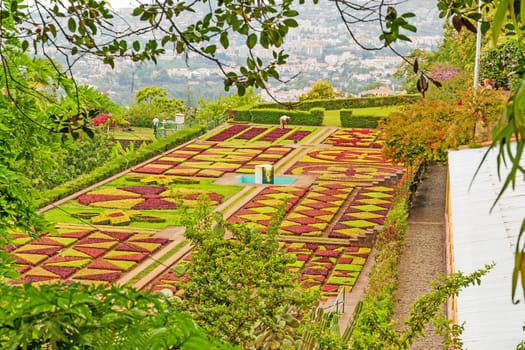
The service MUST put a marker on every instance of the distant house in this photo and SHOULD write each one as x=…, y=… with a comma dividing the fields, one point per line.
x=380, y=91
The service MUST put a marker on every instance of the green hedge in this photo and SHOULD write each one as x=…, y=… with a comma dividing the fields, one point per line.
x=119, y=164
x=342, y=103
x=349, y=121
x=271, y=116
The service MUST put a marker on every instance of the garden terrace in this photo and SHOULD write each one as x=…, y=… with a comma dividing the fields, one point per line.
x=343, y=191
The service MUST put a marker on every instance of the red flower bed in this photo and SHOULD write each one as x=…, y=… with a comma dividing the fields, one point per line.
x=228, y=133
x=151, y=240
x=92, y=252
x=155, y=203
x=101, y=264
x=87, y=199
x=128, y=247
x=129, y=257
x=329, y=253
x=144, y=190
x=106, y=277
x=43, y=251
x=306, y=220
x=150, y=170
x=251, y=133
x=313, y=271
x=273, y=135
x=298, y=135
x=61, y=271
x=330, y=288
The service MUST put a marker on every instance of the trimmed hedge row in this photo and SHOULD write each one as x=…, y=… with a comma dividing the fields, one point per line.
x=341, y=103
x=119, y=164
x=312, y=117
x=349, y=121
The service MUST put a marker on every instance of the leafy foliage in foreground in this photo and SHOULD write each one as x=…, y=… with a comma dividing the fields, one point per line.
x=239, y=287
x=81, y=316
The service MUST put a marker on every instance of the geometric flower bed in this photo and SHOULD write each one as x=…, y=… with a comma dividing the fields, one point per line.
x=209, y=159
x=228, y=132
x=346, y=154
x=261, y=133
x=357, y=173
x=355, y=137
x=262, y=208
x=83, y=254
x=350, y=164
x=316, y=209
x=343, y=168
x=144, y=197
x=327, y=267
x=324, y=267
x=367, y=211
x=169, y=280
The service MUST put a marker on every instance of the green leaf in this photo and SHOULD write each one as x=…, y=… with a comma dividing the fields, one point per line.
x=499, y=19
x=72, y=25
x=408, y=15
x=409, y=27
x=251, y=41
x=224, y=40
x=289, y=22
x=137, y=11
x=250, y=63
x=290, y=13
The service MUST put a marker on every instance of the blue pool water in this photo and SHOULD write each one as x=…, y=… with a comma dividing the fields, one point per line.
x=277, y=180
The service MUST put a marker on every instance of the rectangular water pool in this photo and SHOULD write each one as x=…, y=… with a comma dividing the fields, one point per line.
x=277, y=180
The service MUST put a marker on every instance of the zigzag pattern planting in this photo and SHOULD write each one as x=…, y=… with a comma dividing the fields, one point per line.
x=83, y=254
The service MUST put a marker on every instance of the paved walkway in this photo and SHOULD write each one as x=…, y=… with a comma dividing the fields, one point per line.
x=424, y=249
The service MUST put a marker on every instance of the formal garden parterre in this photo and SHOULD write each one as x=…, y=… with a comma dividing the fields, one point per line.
x=328, y=226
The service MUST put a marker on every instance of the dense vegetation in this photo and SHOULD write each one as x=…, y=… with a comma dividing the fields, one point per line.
x=43, y=111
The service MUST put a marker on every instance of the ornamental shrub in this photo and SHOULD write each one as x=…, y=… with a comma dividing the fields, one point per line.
x=271, y=116
x=342, y=103
x=428, y=129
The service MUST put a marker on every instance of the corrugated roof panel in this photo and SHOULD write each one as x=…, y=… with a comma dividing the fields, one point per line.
x=480, y=237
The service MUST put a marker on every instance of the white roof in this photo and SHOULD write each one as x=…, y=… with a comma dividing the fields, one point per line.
x=480, y=237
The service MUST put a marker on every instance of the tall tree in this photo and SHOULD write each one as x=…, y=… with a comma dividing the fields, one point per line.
x=320, y=89
x=153, y=101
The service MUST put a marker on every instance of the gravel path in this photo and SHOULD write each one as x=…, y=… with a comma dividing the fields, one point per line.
x=424, y=249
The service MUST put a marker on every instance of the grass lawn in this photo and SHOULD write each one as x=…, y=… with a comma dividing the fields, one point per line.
x=375, y=111
x=332, y=118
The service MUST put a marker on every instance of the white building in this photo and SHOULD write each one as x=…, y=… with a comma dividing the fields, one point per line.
x=479, y=236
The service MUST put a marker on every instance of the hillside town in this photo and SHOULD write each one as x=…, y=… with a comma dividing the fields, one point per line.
x=319, y=48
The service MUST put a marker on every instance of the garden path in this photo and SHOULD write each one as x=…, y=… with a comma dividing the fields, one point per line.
x=422, y=258
x=423, y=254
